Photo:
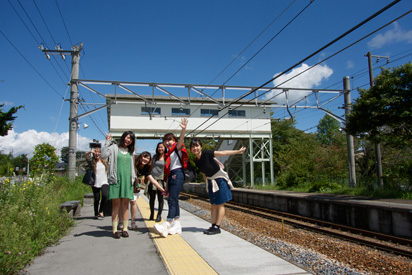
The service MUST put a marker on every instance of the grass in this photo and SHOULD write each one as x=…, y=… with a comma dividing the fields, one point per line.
x=31, y=219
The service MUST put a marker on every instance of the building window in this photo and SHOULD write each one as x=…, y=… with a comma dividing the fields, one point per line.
x=150, y=110
x=180, y=112
x=208, y=112
x=237, y=113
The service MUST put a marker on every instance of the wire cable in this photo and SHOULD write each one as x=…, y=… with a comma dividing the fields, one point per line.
x=303, y=60
x=253, y=41
x=45, y=80
x=267, y=43
x=21, y=19
x=64, y=23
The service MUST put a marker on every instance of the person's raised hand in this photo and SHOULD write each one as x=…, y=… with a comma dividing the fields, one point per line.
x=184, y=122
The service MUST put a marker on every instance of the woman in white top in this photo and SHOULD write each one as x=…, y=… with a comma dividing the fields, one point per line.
x=101, y=186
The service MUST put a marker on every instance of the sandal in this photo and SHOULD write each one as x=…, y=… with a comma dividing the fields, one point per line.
x=121, y=226
x=133, y=226
x=116, y=235
x=125, y=234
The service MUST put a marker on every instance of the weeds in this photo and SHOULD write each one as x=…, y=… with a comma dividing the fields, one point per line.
x=31, y=219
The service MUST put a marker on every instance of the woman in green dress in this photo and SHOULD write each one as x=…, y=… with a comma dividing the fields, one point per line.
x=121, y=178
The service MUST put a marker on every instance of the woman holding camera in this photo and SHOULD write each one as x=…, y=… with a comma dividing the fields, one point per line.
x=101, y=186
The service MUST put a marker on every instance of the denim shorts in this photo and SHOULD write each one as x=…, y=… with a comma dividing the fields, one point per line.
x=222, y=195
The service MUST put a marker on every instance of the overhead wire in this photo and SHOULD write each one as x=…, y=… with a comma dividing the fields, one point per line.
x=81, y=68
x=251, y=43
x=21, y=19
x=37, y=42
x=64, y=23
x=43, y=40
x=267, y=43
x=45, y=80
x=311, y=55
x=47, y=27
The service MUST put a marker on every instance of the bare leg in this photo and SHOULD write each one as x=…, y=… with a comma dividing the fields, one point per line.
x=218, y=213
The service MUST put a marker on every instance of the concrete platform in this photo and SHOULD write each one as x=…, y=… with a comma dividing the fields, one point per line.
x=391, y=217
x=90, y=249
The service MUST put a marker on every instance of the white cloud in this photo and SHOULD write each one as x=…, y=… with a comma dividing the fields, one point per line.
x=308, y=79
x=391, y=36
x=24, y=143
x=349, y=64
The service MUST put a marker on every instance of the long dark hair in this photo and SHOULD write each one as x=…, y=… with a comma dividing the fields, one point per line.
x=138, y=161
x=157, y=154
x=132, y=137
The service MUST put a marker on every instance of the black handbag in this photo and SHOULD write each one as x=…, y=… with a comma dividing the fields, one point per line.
x=188, y=172
x=90, y=177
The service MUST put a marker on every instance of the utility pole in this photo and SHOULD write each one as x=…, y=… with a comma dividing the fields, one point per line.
x=74, y=99
x=349, y=138
x=378, y=156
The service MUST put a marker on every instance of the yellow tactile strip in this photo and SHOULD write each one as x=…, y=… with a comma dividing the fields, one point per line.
x=178, y=255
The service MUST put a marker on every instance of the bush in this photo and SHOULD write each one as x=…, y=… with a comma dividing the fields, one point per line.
x=31, y=219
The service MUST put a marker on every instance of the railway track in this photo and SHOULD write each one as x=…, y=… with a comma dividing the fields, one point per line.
x=387, y=243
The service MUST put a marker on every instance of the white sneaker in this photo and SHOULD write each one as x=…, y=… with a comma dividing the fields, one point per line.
x=163, y=228
x=176, y=227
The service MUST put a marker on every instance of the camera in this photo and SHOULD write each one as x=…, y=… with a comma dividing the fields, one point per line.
x=93, y=145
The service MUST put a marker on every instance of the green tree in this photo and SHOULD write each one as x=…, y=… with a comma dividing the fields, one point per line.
x=44, y=159
x=329, y=131
x=6, y=164
x=6, y=119
x=300, y=159
x=384, y=112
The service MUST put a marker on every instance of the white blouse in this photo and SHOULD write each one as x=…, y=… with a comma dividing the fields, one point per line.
x=101, y=176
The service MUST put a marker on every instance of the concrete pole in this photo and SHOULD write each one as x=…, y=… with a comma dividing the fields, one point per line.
x=349, y=138
x=74, y=96
x=378, y=157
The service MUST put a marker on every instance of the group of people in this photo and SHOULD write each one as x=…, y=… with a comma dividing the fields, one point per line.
x=119, y=174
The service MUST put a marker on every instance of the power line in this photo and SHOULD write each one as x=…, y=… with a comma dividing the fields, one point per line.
x=45, y=80
x=41, y=16
x=21, y=19
x=267, y=43
x=64, y=23
x=230, y=63
x=311, y=55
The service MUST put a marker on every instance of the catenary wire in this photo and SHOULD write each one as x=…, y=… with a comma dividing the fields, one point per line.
x=267, y=43
x=234, y=59
x=311, y=55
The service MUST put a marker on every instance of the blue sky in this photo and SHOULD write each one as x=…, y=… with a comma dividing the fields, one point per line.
x=183, y=42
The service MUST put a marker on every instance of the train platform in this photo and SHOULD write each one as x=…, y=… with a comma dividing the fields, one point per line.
x=90, y=249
